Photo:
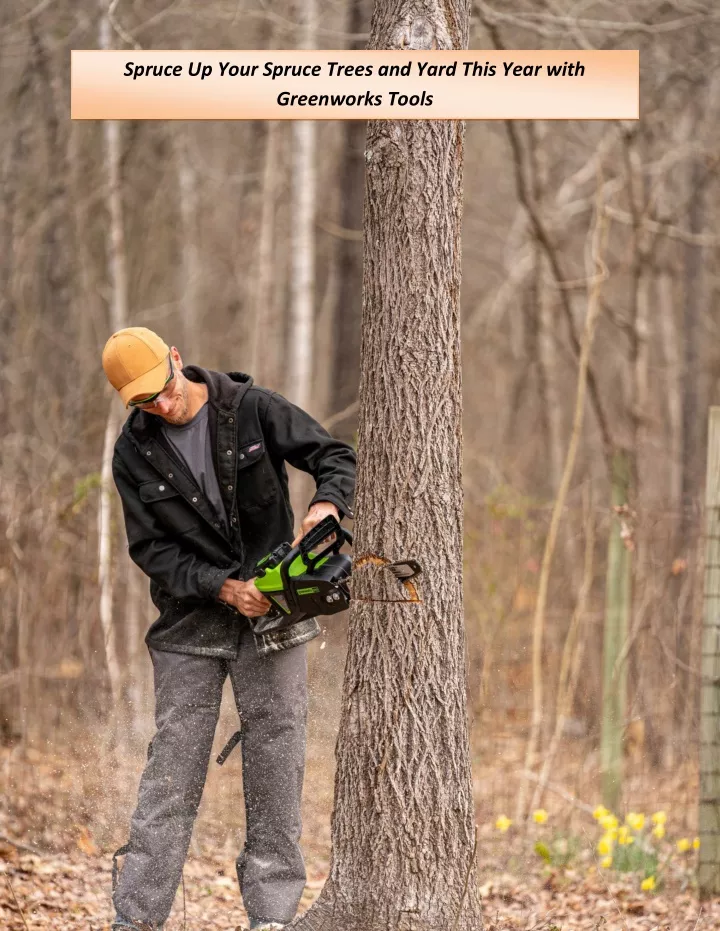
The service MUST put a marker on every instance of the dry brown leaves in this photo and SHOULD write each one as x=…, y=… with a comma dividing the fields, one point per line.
x=65, y=884
x=589, y=904
x=73, y=890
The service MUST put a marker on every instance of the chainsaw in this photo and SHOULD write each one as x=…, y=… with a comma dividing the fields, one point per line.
x=311, y=578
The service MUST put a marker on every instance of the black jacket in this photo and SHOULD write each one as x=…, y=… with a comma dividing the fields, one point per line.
x=173, y=532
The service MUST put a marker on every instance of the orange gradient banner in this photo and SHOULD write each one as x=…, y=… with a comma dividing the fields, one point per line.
x=346, y=85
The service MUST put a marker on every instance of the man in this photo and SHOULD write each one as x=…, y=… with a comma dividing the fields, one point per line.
x=200, y=468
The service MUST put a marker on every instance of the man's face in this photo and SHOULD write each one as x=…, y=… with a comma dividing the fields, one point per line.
x=172, y=403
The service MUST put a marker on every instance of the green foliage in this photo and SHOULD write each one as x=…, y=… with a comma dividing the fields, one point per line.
x=506, y=502
x=635, y=858
x=84, y=485
x=542, y=850
x=82, y=488
x=559, y=852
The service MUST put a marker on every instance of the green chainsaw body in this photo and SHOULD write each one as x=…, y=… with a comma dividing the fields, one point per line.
x=310, y=579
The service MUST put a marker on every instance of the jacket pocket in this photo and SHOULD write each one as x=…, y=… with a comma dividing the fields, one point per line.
x=257, y=482
x=167, y=505
x=156, y=491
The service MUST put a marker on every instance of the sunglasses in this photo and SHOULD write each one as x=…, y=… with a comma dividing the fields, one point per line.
x=141, y=402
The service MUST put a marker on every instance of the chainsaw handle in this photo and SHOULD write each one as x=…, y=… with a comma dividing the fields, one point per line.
x=328, y=525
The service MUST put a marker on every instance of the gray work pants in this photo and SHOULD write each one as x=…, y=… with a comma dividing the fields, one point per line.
x=271, y=696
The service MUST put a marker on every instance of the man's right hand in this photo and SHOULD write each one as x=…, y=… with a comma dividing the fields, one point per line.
x=245, y=597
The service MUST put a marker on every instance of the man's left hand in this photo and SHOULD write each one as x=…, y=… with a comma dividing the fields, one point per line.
x=318, y=511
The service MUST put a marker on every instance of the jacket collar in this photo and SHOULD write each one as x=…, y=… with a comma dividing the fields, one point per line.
x=225, y=392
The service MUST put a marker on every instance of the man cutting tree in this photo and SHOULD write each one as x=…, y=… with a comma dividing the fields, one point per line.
x=200, y=468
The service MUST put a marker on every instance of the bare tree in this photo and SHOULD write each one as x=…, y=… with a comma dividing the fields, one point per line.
x=597, y=274
x=117, y=276
x=302, y=302
x=403, y=824
x=190, y=268
x=262, y=298
x=346, y=362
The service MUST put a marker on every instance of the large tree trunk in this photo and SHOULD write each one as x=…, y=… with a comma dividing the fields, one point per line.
x=403, y=826
x=709, y=804
x=302, y=284
x=118, y=280
x=346, y=363
x=263, y=285
x=694, y=420
x=301, y=335
x=105, y=571
x=618, y=601
x=190, y=270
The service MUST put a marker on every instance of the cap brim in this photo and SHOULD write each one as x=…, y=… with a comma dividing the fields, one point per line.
x=149, y=383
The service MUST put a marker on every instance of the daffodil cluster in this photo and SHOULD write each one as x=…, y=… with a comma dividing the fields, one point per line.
x=629, y=847
x=637, y=845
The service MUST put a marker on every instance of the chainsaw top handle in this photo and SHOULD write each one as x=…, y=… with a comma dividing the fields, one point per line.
x=327, y=527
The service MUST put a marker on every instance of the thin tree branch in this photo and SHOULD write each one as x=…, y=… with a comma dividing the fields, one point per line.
x=598, y=242
x=19, y=846
x=31, y=14
x=341, y=415
x=119, y=28
x=534, y=22
x=543, y=237
x=17, y=904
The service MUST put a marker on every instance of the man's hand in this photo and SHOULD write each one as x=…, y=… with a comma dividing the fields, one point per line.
x=245, y=597
x=319, y=511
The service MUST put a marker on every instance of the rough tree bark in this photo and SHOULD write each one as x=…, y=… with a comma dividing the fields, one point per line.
x=403, y=827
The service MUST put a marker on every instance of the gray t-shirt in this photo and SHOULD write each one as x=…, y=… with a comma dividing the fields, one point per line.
x=192, y=442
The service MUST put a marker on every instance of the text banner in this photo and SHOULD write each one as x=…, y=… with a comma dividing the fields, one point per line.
x=327, y=85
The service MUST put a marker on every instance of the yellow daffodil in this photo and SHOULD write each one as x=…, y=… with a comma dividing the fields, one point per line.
x=604, y=846
x=608, y=822
x=503, y=823
x=660, y=817
x=647, y=885
x=600, y=812
x=540, y=816
x=624, y=836
x=683, y=845
x=696, y=843
x=659, y=831
x=606, y=863
x=635, y=820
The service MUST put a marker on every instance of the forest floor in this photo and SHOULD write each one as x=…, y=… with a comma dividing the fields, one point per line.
x=71, y=890
x=61, y=818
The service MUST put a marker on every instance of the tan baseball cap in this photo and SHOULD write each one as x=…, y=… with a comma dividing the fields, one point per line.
x=135, y=361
